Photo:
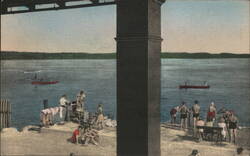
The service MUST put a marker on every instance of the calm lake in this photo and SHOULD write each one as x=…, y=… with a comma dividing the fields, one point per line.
x=229, y=80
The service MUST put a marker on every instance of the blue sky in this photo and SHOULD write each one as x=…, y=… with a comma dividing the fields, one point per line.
x=187, y=26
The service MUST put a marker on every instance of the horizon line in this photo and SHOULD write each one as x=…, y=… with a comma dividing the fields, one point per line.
x=115, y=52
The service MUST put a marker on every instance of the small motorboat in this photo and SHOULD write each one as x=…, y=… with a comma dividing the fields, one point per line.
x=187, y=86
x=44, y=82
x=193, y=87
x=41, y=81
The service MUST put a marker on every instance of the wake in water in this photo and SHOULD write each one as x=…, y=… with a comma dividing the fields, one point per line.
x=30, y=72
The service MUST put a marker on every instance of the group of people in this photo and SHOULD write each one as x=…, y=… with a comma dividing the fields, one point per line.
x=77, y=105
x=77, y=108
x=225, y=119
x=85, y=135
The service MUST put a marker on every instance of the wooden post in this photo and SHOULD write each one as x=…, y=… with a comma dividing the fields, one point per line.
x=45, y=104
x=9, y=115
x=1, y=115
x=4, y=117
x=5, y=114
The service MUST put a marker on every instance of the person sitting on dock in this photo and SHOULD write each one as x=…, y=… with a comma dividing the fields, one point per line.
x=173, y=113
x=199, y=130
x=63, y=104
x=233, y=120
x=196, y=111
x=76, y=135
x=45, y=117
x=184, y=114
x=222, y=124
x=89, y=135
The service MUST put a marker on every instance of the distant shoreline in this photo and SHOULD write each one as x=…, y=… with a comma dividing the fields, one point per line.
x=47, y=56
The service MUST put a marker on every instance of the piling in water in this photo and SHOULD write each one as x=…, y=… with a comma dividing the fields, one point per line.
x=5, y=114
x=45, y=104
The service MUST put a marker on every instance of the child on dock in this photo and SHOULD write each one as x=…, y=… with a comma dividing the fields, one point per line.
x=76, y=135
x=173, y=113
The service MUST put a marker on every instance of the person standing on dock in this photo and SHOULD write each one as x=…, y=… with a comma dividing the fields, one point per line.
x=63, y=104
x=211, y=114
x=184, y=114
x=196, y=112
x=80, y=99
x=233, y=120
x=100, y=117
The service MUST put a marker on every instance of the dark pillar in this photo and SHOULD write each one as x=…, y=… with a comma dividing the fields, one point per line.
x=45, y=104
x=138, y=77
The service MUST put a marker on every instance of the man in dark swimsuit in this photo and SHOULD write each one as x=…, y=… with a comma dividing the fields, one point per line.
x=196, y=112
x=184, y=113
x=233, y=126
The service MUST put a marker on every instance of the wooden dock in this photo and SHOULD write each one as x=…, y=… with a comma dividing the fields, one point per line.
x=5, y=114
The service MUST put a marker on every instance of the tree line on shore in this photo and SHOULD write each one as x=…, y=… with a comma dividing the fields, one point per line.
x=13, y=55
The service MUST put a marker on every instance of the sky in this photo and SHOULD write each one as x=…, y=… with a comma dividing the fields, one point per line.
x=213, y=26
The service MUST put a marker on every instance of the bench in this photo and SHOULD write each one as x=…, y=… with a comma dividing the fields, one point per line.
x=210, y=132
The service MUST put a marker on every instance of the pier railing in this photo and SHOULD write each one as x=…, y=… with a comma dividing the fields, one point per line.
x=5, y=114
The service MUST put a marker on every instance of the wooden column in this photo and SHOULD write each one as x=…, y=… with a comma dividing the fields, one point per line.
x=138, y=77
x=5, y=114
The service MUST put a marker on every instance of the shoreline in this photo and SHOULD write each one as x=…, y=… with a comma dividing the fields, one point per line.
x=14, y=55
x=162, y=123
x=115, y=58
x=53, y=141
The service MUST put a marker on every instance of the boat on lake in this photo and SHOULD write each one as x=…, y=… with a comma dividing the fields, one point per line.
x=193, y=87
x=187, y=86
x=41, y=81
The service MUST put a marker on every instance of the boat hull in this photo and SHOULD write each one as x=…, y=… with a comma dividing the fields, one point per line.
x=43, y=82
x=193, y=87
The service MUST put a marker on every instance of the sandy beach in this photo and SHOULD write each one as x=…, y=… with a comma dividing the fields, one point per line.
x=53, y=142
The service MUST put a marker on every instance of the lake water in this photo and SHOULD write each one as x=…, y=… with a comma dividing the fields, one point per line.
x=229, y=80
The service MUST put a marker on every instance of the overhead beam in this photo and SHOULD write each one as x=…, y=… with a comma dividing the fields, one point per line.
x=32, y=6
